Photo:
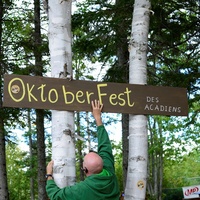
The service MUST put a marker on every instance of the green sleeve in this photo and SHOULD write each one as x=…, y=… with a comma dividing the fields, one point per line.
x=105, y=149
x=52, y=190
x=70, y=192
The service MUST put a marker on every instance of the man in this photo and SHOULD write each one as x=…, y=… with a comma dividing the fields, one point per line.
x=101, y=182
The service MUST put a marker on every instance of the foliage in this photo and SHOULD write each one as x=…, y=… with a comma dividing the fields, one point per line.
x=181, y=173
x=184, y=172
x=173, y=146
x=19, y=41
x=18, y=173
x=117, y=149
x=174, y=55
x=18, y=49
x=100, y=28
x=173, y=58
x=171, y=194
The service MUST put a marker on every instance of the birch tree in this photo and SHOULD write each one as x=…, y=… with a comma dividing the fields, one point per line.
x=138, y=140
x=63, y=150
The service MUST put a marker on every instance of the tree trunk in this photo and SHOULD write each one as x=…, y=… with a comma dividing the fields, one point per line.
x=155, y=159
x=160, y=180
x=31, y=155
x=41, y=155
x=3, y=175
x=151, y=161
x=125, y=145
x=63, y=150
x=123, y=58
x=138, y=138
x=39, y=113
x=79, y=146
x=88, y=133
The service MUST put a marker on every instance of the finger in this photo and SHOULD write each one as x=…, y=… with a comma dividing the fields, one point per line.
x=92, y=102
x=96, y=103
x=51, y=163
x=101, y=107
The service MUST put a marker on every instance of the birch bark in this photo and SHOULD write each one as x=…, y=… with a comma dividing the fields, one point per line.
x=63, y=149
x=137, y=163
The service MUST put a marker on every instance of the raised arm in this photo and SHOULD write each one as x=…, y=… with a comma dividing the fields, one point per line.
x=96, y=111
x=104, y=145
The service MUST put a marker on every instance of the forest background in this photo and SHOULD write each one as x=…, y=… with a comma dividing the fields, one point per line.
x=101, y=31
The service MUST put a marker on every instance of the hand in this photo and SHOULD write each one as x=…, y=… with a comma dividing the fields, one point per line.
x=96, y=111
x=49, y=168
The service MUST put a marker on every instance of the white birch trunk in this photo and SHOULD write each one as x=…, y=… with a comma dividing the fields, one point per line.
x=138, y=139
x=63, y=149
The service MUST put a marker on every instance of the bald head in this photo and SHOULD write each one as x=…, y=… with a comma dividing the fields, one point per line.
x=93, y=162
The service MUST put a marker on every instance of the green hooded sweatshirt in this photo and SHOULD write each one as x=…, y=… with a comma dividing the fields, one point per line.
x=103, y=186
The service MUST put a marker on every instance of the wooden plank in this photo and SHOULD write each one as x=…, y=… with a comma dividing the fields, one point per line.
x=62, y=94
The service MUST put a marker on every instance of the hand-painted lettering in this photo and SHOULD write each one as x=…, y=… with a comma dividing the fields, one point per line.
x=51, y=92
x=111, y=98
x=100, y=94
x=88, y=94
x=65, y=94
x=123, y=102
x=80, y=94
x=29, y=93
x=10, y=91
x=59, y=94
x=42, y=92
x=128, y=92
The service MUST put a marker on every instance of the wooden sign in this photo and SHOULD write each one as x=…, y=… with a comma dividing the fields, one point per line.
x=62, y=94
